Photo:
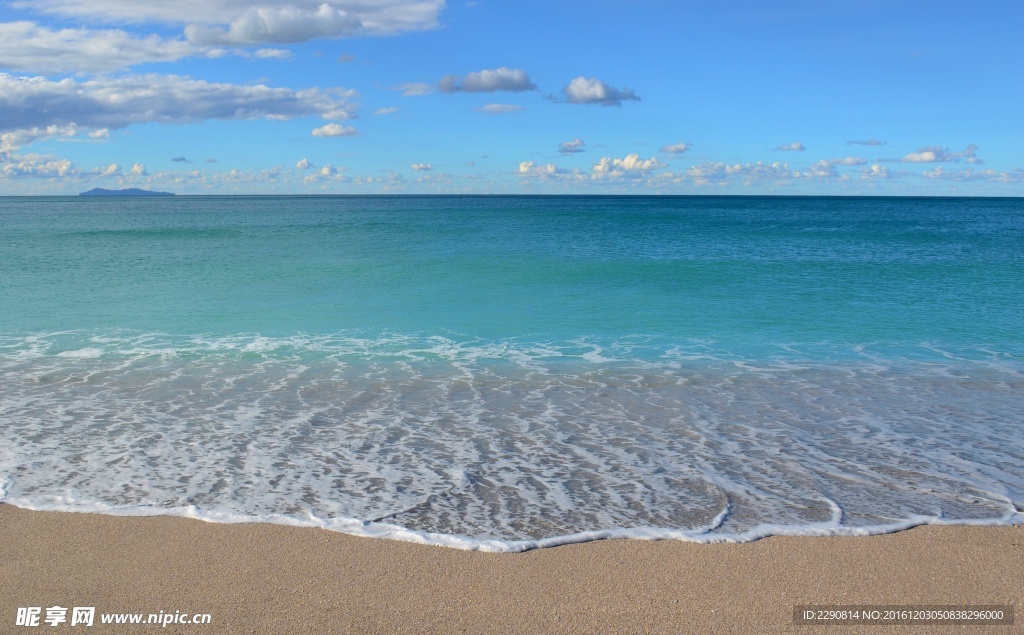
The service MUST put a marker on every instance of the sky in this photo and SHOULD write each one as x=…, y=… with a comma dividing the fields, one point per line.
x=861, y=97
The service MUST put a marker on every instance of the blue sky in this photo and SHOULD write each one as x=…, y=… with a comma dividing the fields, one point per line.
x=428, y=96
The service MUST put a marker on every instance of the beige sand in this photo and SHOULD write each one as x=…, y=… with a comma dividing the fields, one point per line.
x=274, y=579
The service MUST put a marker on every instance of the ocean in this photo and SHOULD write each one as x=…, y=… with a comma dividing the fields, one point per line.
x=506, y=373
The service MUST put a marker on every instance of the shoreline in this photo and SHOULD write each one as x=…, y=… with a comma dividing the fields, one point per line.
x=264, y=578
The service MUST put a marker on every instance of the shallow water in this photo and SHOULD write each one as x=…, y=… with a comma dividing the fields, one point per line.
x=510, y=372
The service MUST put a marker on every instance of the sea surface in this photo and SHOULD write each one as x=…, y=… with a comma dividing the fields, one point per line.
x=504, y=373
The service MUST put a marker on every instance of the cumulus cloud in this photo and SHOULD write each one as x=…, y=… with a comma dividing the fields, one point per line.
x=239, y=22
x=326, y=173
x=876, y=171
x=139, y=169
x=303, y=164
x=630, y=165
x=286, y=24
x=584, y=90
x=15, y=139
x=413, y=89
x=936, y=154
x=572, y=147
x=102, y=133
x=869, y=142
x=488, y=81
x=34, y=166
x=422, y=167
x=208, y=26
x=676, y=148
x=333, y=130
x=499, y=109
x=27, y=103
x=795, y=146
x=531, y=168
x=27, y=47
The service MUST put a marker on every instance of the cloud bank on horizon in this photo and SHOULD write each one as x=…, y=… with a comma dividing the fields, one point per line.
x=289, y=96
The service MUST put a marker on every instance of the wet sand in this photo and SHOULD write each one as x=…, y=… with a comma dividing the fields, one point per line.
x=276, y=579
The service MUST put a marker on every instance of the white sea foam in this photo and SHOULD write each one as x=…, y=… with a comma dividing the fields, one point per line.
x=84, y=353
x=505, y=446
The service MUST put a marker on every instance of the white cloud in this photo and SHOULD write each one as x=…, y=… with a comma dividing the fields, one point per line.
x=390, y=180
x=795, y=146
x=333, y=130
x=239, y=22
x=438, y=178
x=27, y=103
x=102, y=133
x=937, y=154
x=572, y=147
x=820, y=170
x=925, y=155
x=826, y=169
x=422, y=167
x=583, y=90
x=34, y=166
x=287, y=24
x=272, y=54
x=10, y=141
x=530, y=168
x=111, y=170
x=413, y=89
x=723, y=173
x=876, y=171
x=630, y=165
x=139, y=169
x=848, y=161
x=385, y=111
x=499, y=109
x=26, y=47
x=234, y=177
x=488, y=81
x=676, y=148
x=326, y=173
x=303, y=164
x=869, y=142
x=1015, y=175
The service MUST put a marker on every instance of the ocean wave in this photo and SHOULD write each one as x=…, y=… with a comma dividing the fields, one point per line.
x=513, y=444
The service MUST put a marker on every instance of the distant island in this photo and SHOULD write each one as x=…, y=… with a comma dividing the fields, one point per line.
x=134, y=191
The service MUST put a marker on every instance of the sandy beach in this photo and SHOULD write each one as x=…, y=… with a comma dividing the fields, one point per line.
x=276, y=579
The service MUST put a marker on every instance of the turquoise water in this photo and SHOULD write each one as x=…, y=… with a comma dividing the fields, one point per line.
x=507, y=370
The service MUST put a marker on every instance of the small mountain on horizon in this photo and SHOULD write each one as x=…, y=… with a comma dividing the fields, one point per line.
x=133, y=191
